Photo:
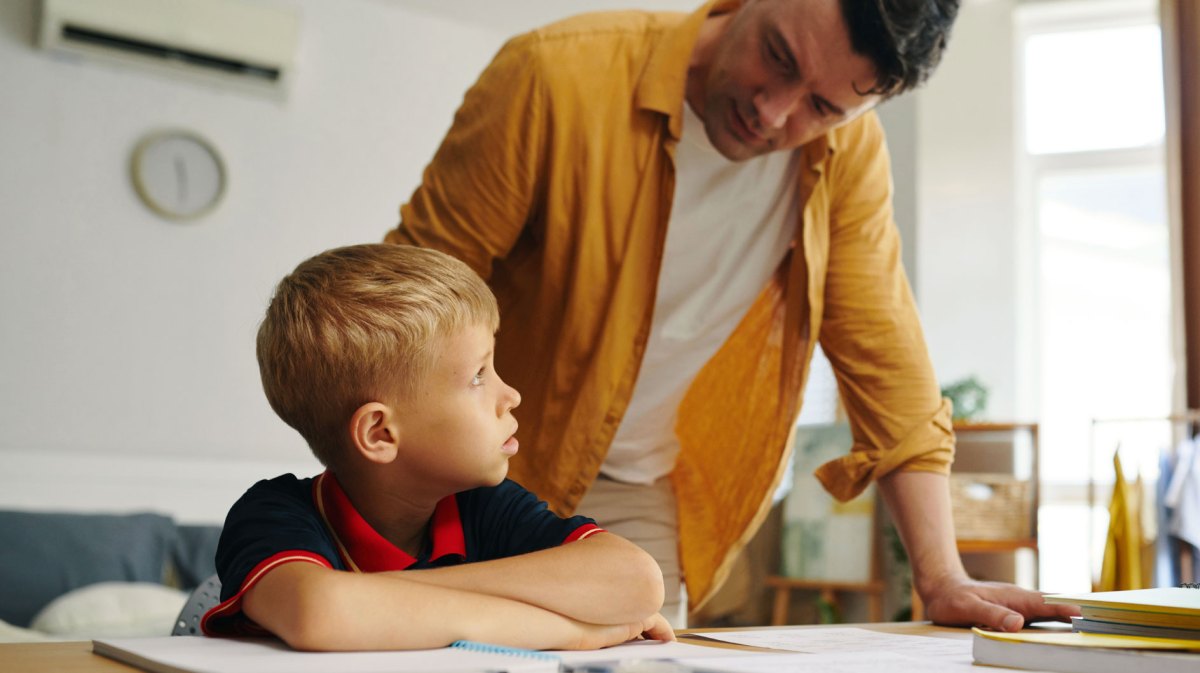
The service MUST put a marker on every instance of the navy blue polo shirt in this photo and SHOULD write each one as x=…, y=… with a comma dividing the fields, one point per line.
x=290, y=520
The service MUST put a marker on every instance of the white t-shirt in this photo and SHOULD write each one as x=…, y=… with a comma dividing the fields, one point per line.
x=730, y=227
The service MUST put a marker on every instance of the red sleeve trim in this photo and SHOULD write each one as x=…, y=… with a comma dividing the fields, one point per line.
x=233, y=606
x=586, y=530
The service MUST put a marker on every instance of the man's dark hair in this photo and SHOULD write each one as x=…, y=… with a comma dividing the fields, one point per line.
x=904, y=38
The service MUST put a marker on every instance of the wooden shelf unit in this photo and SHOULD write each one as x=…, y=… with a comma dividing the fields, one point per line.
x=1027, y=541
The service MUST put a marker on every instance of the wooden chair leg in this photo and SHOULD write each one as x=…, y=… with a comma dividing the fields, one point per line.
x=783, y=597
x=875, y=607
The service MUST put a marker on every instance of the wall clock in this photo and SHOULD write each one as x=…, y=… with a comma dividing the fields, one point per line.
x=178, y=174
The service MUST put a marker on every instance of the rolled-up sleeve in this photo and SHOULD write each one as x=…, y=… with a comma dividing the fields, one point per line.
x=871, y=331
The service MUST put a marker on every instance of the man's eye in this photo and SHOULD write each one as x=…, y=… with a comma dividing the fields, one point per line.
x=778, y=59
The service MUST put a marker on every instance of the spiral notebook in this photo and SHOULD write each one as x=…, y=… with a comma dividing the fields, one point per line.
x=514, y=658
x=191, y=654
x=194, y=654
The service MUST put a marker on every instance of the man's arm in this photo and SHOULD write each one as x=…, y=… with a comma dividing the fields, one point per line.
x=314, y=608
x=920, y=505
x=602, y=579
x=902, y=433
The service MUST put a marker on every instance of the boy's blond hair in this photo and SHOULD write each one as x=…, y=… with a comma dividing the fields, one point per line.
x=361, y=324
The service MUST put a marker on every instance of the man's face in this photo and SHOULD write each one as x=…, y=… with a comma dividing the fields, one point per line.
x=781, y=74
x=456, y=431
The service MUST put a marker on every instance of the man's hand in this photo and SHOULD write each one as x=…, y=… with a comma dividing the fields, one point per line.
x=994, y=605
x=920, y=506
x=596, y=636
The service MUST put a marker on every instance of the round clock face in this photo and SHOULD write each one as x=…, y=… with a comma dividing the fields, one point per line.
x=178, y=174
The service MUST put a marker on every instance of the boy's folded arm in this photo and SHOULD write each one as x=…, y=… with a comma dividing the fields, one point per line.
x=315, y=608
x=601, y=579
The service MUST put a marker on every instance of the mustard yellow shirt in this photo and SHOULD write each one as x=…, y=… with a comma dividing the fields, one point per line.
x=555, y=183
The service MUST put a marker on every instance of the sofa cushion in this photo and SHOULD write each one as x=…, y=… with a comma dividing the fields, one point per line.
x=44, y=555
x=194, y=554
x=112, y=610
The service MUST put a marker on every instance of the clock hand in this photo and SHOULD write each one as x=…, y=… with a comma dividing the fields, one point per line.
x=181, y=180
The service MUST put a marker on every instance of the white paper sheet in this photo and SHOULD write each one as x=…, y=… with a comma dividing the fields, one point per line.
x=829, y=650
x=193, y=654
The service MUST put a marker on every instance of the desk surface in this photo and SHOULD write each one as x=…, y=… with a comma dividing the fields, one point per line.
x=77, y=657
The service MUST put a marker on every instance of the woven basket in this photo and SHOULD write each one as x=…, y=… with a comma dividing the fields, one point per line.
x=990, y=506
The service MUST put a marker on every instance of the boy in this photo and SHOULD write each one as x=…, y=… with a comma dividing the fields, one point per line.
x=381, y=357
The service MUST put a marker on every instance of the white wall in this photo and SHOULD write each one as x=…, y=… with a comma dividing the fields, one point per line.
x=516, y=16
x=953, y=163
x=966, y=236
x=126, y=342
x=899, y=119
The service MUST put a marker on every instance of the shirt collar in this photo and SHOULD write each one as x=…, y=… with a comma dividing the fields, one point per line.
x=664, y=82
x=819, y=149
x=365, y=550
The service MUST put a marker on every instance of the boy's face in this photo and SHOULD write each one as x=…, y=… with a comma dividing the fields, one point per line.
x=456, y=431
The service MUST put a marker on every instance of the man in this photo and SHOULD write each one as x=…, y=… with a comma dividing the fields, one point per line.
x=672, y=210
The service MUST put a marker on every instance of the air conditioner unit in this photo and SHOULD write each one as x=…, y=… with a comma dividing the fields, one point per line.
x=249, y=46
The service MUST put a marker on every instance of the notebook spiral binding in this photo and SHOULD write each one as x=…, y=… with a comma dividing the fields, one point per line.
x=501, y=649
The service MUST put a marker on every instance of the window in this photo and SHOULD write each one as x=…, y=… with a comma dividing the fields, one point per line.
x=1098, y=250
x=1093, y=89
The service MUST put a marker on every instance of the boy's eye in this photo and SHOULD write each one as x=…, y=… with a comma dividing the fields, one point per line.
x=477, y=380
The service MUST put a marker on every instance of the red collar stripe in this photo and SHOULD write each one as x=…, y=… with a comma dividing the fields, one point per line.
x=363, y=548
x=446, y=529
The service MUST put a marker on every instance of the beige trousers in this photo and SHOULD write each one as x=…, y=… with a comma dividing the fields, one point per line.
x=644, y=515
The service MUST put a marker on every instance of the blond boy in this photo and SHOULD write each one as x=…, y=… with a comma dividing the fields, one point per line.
x=381, y=357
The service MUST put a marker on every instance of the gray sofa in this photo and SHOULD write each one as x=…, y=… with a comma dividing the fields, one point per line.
x=116, y=564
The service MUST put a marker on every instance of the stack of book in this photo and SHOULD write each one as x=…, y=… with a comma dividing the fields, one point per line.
x=1143, y=630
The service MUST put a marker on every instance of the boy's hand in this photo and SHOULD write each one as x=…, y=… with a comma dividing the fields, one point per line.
x=656, y=627
x=596, y=636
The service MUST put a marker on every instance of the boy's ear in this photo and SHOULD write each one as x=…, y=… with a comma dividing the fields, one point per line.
x=374, y=432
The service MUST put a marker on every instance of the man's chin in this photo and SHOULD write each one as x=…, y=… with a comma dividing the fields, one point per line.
x=731, y=147
x=734, y=150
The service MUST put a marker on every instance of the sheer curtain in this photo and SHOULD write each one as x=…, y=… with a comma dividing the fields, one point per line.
x=1181, y=69
x=1181, y=61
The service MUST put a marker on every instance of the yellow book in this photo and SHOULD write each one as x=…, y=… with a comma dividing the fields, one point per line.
x=1067, y=652
x=1177, y=607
